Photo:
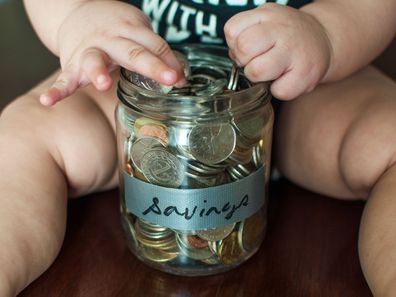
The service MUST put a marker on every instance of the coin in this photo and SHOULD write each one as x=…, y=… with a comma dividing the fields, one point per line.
x=197, y=180
x=251, y=231
x=167, y=241
x=229, y=250
x=250, y=127
x=158, y=255
x=142, y=121
x=140, y=147
x=215, y=234
x=128, y=224
x=205, y=169
x=155, y=131
x=191, y=252
x=212, y=143
x=153, y=231
x=240, y=156
x=257, y=156
x=162, y=168
x=196, y=242
x=149, y=84
x=139, y=175
x=129, y=169
x=184, y=63
x=234, y=77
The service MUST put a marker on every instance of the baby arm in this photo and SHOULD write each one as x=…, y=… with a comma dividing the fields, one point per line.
x=297, y=49
x=92, y=37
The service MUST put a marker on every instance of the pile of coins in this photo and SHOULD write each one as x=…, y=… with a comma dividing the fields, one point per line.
x=192, y=155
x=226, y=245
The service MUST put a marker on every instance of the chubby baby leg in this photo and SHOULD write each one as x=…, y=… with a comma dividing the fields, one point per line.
x=46, y=155
x=340, y=140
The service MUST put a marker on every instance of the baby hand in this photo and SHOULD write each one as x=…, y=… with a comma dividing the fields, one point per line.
x=100, y=35
x=280, y=44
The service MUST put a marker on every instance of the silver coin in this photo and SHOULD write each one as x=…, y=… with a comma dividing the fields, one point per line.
x=240, y=156
x=234, y=77
x=215, y=234
x=232, y=176
x=162, y=168
x=149, y=84
x=184, y=63
x=205, y=169
x=212, y=143
x=140, y=147
x=257, y=156
x=235, y=174
x=250, y=127
x=240, y=171
x=178, y=137
x=202, y=181
x=127, y=147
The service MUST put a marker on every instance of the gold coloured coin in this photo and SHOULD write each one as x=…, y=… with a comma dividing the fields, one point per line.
x=215, y=234
x=251, y=231
x=140, y=122
x=158, y=255
x=229, y=249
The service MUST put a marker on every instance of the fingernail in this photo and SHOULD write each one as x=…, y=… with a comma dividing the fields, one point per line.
x=101, y=79
x=45, y=100
x=168, y=76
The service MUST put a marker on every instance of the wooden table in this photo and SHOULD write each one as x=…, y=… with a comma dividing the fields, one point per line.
x=310, y=250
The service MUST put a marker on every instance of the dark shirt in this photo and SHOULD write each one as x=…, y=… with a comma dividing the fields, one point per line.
x=197, y=21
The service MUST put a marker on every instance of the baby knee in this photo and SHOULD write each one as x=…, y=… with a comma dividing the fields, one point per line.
x=24, y=117
x=368, y=149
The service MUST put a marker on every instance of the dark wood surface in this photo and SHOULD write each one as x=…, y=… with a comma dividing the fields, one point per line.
x=310, y=250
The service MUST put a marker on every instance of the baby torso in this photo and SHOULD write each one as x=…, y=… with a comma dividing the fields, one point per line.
x=197, y=21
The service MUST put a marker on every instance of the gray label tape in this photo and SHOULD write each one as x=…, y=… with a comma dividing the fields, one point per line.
x=195, y=209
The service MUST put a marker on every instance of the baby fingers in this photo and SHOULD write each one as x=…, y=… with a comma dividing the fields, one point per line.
x=255, y=41
x=66, y=83
x=94, y=64
x=268, y=66
x=138, y=58
x=155, y=44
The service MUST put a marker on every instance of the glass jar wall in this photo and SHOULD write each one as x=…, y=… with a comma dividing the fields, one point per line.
x=194, y=165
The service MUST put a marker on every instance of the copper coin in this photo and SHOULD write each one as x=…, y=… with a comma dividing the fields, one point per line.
x=129, y=169
x=155, y=131
x=196, y=242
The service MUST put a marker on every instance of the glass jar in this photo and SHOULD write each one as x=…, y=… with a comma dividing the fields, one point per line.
x=194, y=165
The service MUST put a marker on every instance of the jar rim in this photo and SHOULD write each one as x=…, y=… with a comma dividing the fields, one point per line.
x=138, y=97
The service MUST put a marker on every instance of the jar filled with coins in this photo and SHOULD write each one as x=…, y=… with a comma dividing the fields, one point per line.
x=194, y=164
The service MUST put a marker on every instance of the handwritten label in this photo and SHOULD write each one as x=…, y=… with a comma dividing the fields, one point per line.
x=194, y=209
